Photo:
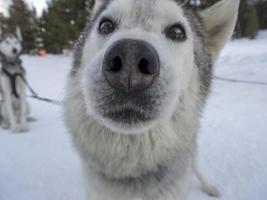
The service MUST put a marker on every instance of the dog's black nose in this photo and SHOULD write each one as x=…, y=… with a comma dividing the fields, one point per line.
x=15, y=51
x=131, y=65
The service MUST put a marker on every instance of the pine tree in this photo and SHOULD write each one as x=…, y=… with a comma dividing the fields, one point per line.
x=262, y=13
x=248, y=19
x=20, y=15
x=61, y=23
x=252, y=25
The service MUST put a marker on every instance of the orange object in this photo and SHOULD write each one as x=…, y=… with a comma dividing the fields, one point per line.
x=42, y=52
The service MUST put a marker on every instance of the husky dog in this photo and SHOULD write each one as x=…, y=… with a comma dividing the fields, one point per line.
x=141, y=76
x=14, y=107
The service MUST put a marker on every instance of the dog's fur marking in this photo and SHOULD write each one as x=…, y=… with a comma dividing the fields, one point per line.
x=148, y=152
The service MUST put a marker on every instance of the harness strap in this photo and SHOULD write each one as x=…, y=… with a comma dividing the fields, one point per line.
x=13, y=80
x=36, y=96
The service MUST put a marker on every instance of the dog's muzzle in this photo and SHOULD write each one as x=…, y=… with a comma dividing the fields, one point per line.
x=131, y=66
x=14, y=51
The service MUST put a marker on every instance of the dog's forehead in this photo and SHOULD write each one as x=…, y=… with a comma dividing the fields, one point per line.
x=9, y=37
x=145, y=13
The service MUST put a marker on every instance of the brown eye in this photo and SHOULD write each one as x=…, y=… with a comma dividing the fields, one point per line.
x=106, y=27
x=176, y=32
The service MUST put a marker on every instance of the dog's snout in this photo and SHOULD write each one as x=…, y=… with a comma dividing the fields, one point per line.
x=131, y=65
x=15, y=51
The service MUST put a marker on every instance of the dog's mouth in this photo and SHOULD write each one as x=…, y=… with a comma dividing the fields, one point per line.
x=128, y=115
x=123, y=111
x=128, y=109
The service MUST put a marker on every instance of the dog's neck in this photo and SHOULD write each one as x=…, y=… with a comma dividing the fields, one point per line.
x=10, y=61
x=13, y=69
x=144, y=180
x=11, y=65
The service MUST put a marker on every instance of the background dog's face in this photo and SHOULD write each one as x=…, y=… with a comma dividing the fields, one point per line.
x=138, y=60
x=10, y=44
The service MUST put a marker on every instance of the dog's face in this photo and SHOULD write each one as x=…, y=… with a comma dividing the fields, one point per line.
x=138, y=60
x=133, y=75
x=10, y=46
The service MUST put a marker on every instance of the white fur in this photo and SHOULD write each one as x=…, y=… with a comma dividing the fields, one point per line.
x=112, y=151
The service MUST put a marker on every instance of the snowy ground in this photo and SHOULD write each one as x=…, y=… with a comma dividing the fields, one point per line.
x=42, y=165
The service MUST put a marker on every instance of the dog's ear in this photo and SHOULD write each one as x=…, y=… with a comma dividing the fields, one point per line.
x=219, y=22
x=19, y=34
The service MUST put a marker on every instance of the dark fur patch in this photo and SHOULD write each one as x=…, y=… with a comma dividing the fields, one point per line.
x=202, y=55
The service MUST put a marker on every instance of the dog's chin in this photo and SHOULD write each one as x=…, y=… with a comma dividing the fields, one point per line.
x=128, y=129
x=11, y=56
x=127, y=121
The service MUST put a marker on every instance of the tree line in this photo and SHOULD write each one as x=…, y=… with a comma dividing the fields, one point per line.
x=60, y=24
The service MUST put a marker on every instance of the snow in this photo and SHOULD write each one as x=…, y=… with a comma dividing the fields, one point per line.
x=42, y=164
x=233, y=145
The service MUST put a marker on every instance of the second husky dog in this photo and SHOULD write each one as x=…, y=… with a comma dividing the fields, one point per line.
x=14, y=107
x=141, y=76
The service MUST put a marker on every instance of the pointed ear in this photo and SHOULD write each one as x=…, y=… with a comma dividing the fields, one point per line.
x=219, y=22
x=18, y=32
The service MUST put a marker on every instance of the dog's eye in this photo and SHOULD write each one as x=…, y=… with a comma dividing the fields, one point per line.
x=176, y=32
x=106, y=26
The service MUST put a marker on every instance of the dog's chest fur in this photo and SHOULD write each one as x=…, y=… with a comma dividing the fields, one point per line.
x=138, y=163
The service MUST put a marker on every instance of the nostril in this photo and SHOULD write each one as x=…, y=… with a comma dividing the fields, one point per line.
x=145, y=67
x=131, y=65
x=15, y=51
x=116, y=65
